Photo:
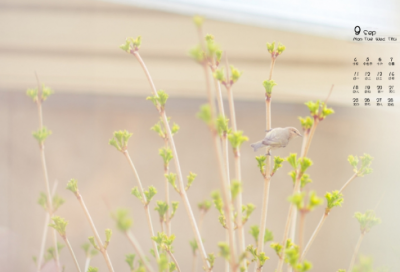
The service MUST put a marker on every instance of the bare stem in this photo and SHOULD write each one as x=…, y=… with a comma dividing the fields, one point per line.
x=201, y=220
x=96, y=234
x=353, y=258
x=174, y=260
x=139, y=250
x=238, y=170
x=317, y=229
x=87, y=263
x=46, y=177
x=146, y=206
x=72, y=253
x=348, y=182
x=301, y=230
x=177, y=167
x=167, y=200
x=45, y=230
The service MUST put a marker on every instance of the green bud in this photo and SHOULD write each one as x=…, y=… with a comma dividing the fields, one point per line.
x=325, y=111
x=205, y=205
x=163, y=263
x=224, y=250
x=171, y=177
x=217, y=199
x=292, y=256
x=57, y=202
x=254, y=231
x=42, y=200
x=172, y=267
x=303, y=267
x=150, y=193
x=314, y=201
x=277, y=164
x=304, y=180
x=86, y=248
x=194, y=246
x=261, y=163
x=33, y=94
x=41, y=135
x=166, y=155
x=161, y=208
x=269, y=85
x=72, y=185
x=219, y=75
x=135, y=192
x=59, y=225
x=46, y=92
x=122, y=218
x=292, y=160
x=367, y=220
x=126, y=46
x=120, y=140
x=313, y=107
x=222, y=125
x=211, y=259
x=92, y=241
x=277, y=247
x=197, y=54
x=306, y=123
x=205, y=114
x=237, y=139
x=281, y=48
x=366, y=161
x=248, y=210
x=198, y=20
x=175, y=128
x=304, y=164
x=129, y=259
x=108, y=235
x=297, y=200
x=157, y=128
x=175, y=205
x=160, y=99
x=268, y=236
x=262, y=258
x=92, y=269
x=236, y=188
x=235, y=74
x=334, y=199
x=190, y=179
x=353, y=160
x=271, y=47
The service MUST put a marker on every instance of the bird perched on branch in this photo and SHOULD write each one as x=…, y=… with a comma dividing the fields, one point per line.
x=276, y=138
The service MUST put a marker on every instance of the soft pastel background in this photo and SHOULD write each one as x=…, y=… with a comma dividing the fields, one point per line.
x=73, y=46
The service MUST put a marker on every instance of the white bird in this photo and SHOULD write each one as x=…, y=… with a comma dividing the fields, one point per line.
x=276, y=138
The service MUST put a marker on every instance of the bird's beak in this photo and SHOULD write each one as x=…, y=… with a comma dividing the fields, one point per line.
x=300, y=135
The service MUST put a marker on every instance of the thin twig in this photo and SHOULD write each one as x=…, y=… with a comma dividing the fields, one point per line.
x=72, y=253
x=102, y=249
x=348, y=182
x=177, y=166
x=297, y=187
x=174, y=260
x=139, y=250
x=301, y=230
x=267, y=176
x=201, y=220
x=317, y=229
x=87, y=263
x=46, y=176
x=45, y=230
x=238, y=171
x=353, y=258
x=146, y=206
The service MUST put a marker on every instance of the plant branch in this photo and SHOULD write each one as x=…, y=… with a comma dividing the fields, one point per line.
x=301, y=230
x=223, y=176
x=96, y=234
x=139, y=250
x=174, y=260
x=312, y=238
x=46, y=177
x=348, y=182
x=72, y=253
x=353, y=258
x=177, y=166
x=146, y=206
x=45, y=230
x=87, y=263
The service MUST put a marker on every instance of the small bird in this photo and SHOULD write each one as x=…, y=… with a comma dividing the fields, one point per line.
x=276, y=138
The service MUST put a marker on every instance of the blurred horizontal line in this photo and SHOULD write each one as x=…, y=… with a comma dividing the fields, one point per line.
x=65, y=53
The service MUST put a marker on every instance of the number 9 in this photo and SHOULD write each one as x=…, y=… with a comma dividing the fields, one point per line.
x=357, y=30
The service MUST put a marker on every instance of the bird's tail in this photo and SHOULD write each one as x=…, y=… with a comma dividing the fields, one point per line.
x=257, y=145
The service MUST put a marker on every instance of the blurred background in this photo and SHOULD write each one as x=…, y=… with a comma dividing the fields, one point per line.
x=73, y=47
